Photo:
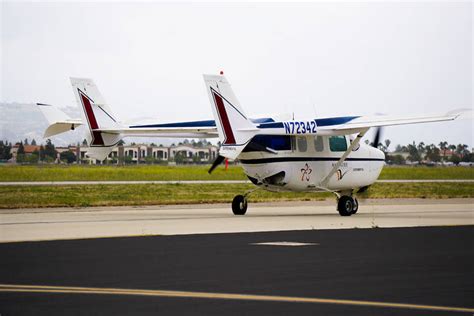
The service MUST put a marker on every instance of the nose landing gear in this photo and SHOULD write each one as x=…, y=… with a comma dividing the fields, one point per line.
x=347, y=205
x=239, y=205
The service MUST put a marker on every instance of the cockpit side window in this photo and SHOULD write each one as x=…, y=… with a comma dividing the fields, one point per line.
x=275, y=142
x=302, y=144
x=337, y=143
x=318, y=144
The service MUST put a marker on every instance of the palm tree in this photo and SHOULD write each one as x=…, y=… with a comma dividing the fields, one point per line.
x=452, y=148
x=414, y=155
x=421, y=147
x=387, y=143
x=461, y=150
x=443, y=146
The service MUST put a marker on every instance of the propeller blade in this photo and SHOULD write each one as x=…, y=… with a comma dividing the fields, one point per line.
x=377, y=137
x=216, y=162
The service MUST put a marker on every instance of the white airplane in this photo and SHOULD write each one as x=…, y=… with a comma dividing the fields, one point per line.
x=322, y=154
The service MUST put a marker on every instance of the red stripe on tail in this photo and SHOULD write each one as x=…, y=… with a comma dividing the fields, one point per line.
x=96, y=135
x=229, y=135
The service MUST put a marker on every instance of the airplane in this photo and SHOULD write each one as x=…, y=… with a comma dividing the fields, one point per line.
x=310, y=155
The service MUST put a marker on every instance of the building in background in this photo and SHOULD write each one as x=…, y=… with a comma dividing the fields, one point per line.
x=144, y=153
x=135, y=153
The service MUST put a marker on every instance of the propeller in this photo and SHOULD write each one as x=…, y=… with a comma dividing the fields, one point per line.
x=216, y=162
x=377, y=137
x=375, y=143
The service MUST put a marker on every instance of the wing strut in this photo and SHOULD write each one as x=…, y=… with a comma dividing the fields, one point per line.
x=334, y=169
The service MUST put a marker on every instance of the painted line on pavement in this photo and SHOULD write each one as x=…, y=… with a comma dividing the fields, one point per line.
x=285, y=243
x=226, y=296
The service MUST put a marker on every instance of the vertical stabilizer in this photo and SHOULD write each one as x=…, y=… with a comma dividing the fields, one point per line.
x=97, y=116
x=234, y=128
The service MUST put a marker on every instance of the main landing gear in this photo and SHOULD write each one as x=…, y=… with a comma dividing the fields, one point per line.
x=239, y=205
x=347, y=205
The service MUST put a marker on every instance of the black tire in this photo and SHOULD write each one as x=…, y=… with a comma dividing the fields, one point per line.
x=355, y=207
x=345, y=205
x=239, y=205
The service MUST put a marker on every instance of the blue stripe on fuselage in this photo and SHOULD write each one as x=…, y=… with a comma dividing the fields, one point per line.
x=335, y=120
x=206, y=123
x=319, y=122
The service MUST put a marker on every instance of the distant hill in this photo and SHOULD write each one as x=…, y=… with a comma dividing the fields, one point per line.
x=19, y=121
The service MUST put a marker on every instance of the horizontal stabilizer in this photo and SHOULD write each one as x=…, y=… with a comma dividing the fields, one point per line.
x=59, y=122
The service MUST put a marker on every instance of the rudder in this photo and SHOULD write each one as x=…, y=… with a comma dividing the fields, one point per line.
x=234, y=128
x=97, y=116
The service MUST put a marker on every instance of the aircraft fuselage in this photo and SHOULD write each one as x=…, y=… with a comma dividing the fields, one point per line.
x=302, y=163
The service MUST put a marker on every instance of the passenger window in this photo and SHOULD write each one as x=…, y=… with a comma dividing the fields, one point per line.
x=318, y=143
x=337, y=143
x=302, y=145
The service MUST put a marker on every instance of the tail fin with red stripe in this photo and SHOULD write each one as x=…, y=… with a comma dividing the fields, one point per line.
x=234, y=128
x=98, y=117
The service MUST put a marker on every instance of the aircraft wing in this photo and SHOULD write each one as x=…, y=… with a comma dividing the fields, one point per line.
x=347, y=124
x=194, y=129
x=356, y=123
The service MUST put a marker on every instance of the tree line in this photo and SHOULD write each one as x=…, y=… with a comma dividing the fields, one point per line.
x=422, y=152
x=45, y=153
x=415, y=152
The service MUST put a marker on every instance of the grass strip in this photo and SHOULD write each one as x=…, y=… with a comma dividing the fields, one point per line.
x=116, y=173
x=167, y=173
x=168, y=194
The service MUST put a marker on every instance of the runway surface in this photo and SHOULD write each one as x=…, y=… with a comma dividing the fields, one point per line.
x=94, y=222
x=340, y=272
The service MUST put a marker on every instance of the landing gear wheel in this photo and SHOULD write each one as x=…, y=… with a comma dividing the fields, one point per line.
x=355, y=208
x=239, y=205
x=345, y=206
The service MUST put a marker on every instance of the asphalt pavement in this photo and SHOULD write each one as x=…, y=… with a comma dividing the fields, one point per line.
x=342, y=271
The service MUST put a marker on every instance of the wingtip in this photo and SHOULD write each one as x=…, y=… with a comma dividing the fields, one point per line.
x=460, y=112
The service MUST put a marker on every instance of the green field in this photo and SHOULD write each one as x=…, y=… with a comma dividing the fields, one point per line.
x=160, y=194
x=10, y=173
x=116, y=173
x=426, y=173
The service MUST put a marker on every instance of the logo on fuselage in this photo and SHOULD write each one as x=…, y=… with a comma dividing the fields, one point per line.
x=340, y=174
x=306, y=172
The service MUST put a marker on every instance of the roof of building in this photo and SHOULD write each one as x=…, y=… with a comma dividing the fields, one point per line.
x=30, y=148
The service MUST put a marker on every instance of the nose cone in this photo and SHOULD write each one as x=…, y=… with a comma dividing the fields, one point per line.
x=377, y=165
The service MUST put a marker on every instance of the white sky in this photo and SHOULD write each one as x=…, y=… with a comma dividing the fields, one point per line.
x=323, y=59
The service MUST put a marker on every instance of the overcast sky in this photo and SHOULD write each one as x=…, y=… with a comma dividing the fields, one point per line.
x=314, y=59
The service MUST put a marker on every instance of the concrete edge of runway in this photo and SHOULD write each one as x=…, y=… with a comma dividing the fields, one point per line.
x=150, y=235
x=108, y=222
x=322, y=202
